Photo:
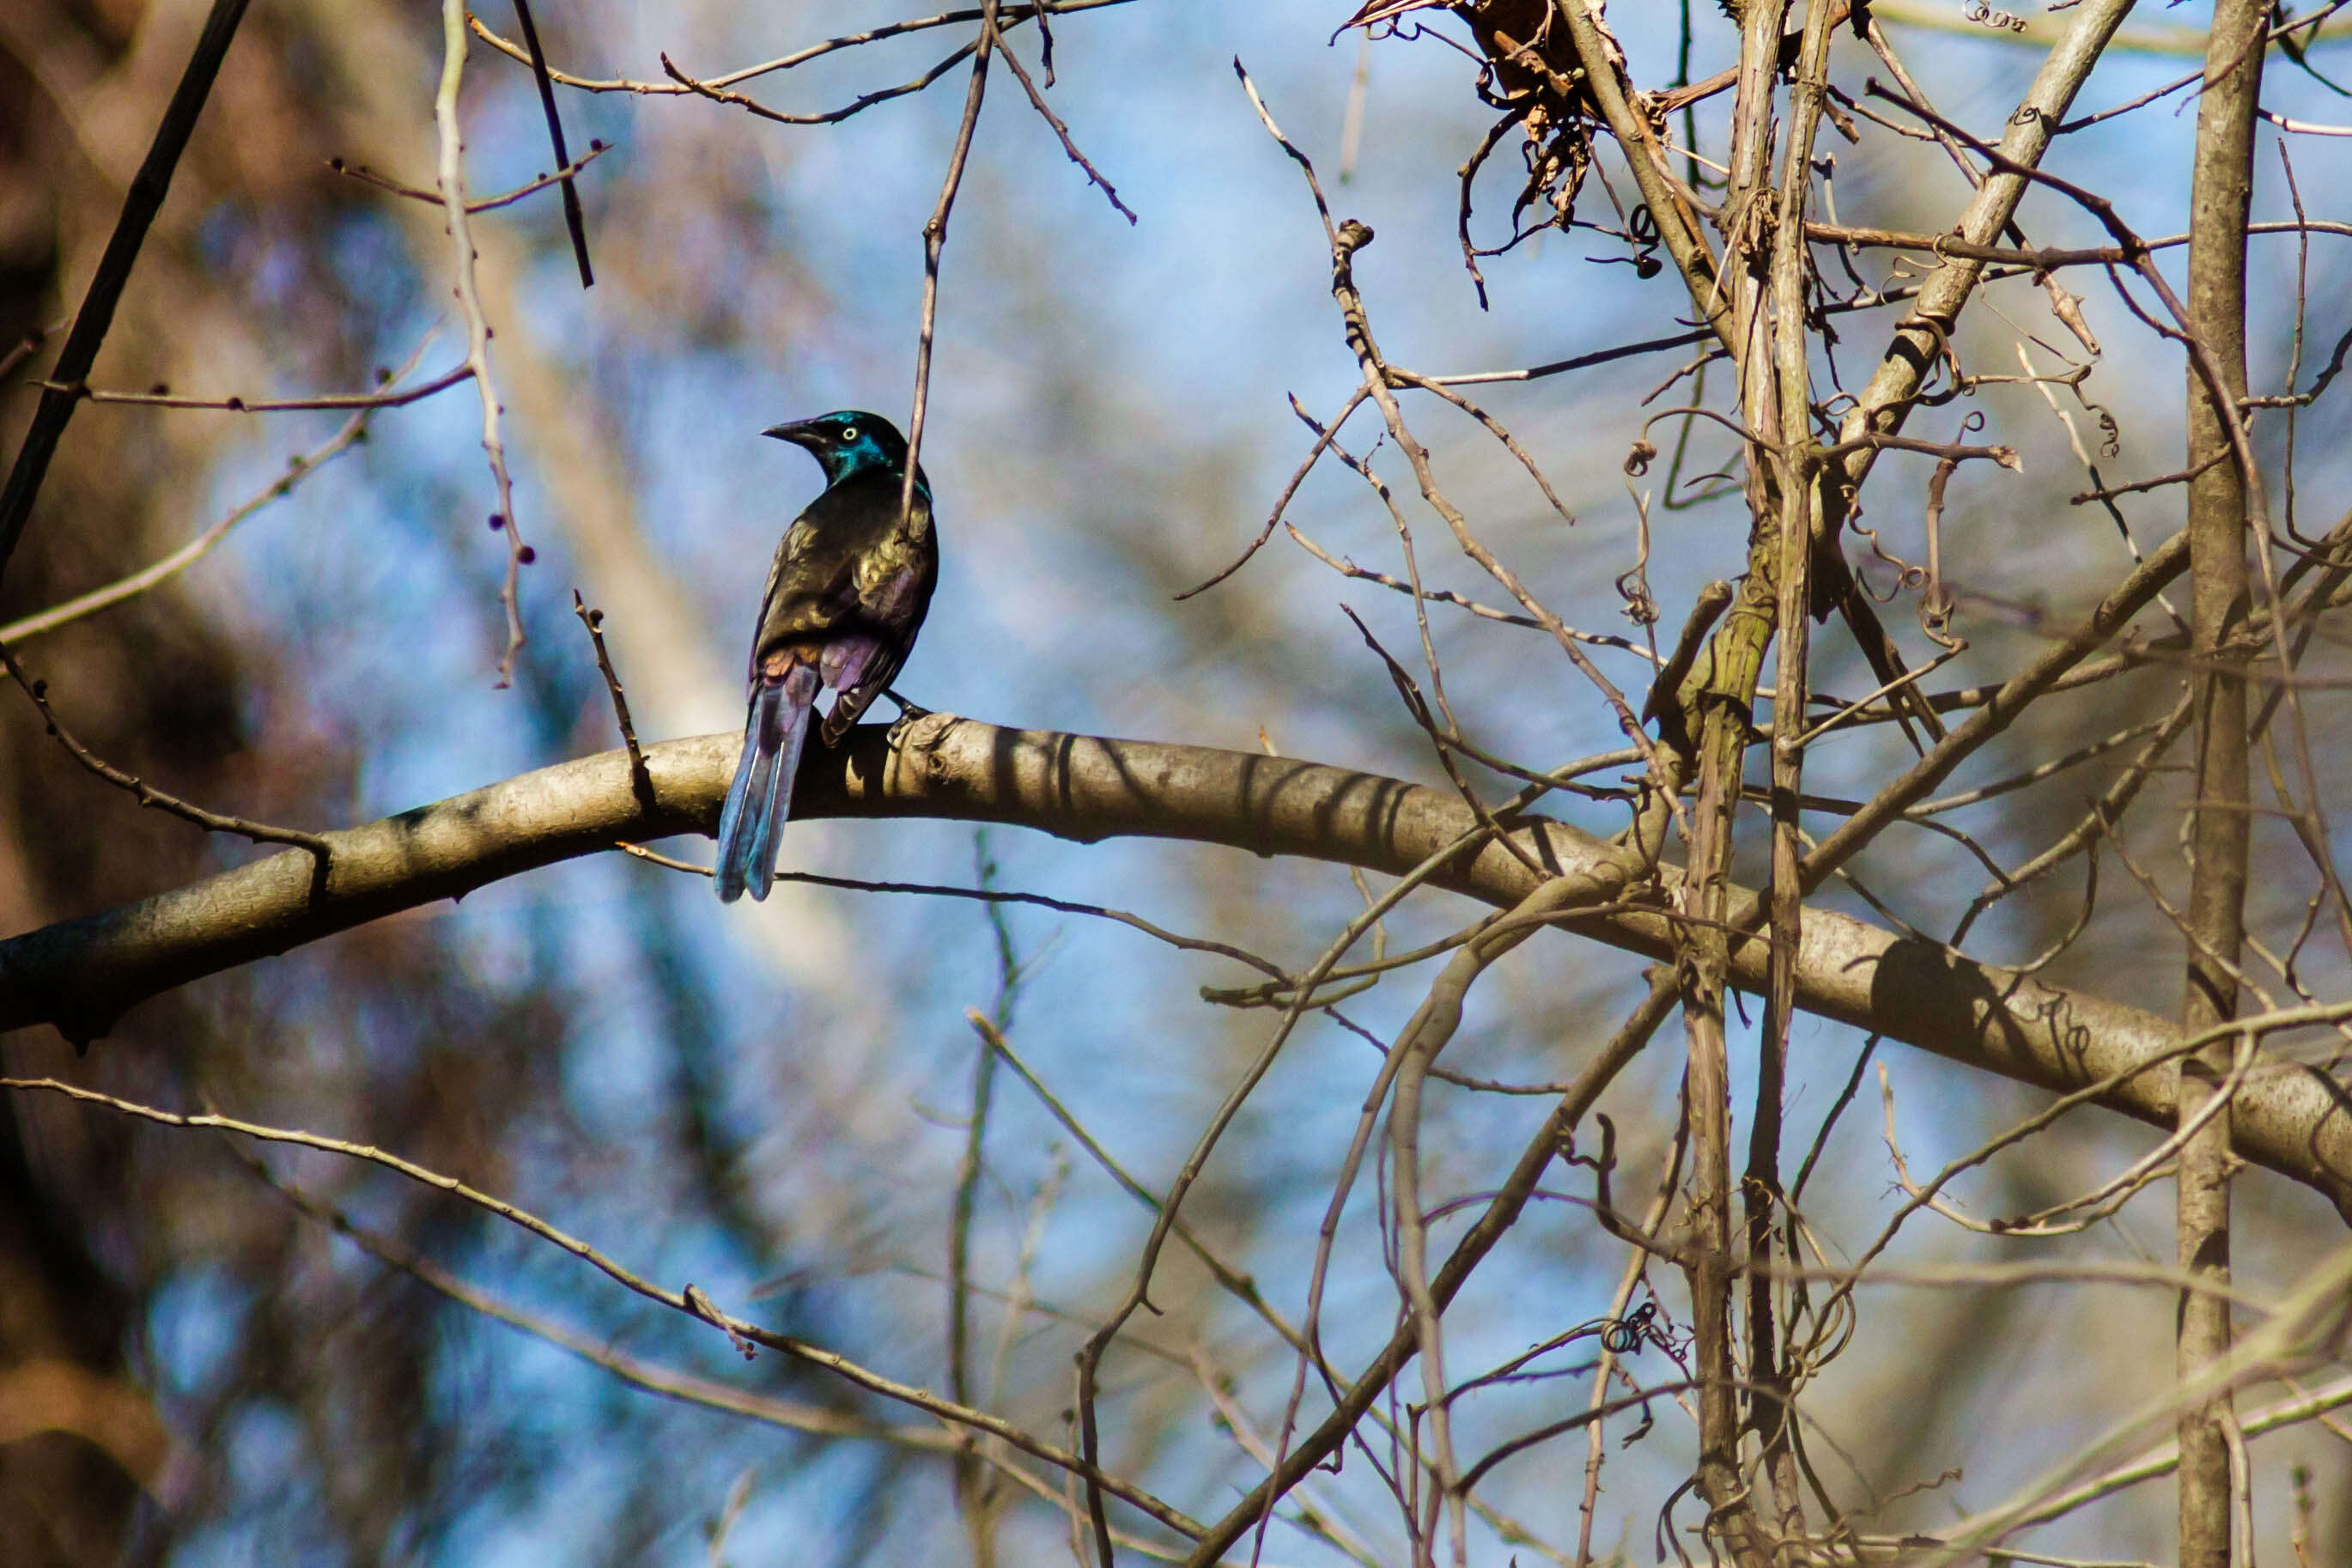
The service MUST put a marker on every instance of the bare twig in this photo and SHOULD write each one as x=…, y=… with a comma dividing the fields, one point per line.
x=1501, y=1212
x=997, y=895
x=1009, y=16
x=1062, y=132
x=973, y=1498
x=690, y=1300
x=935, y=241
x=451, y=178
x=297, y=468
x=641, y=779
x=562, y=175
x=857, y=105
x=147, y=795
x=1324, y=436
x=234, y=404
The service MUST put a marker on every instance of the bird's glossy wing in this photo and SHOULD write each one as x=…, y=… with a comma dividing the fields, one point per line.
x=860, y=665
x=812, y=589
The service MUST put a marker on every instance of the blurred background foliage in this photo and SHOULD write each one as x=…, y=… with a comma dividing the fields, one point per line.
x=773, y=1098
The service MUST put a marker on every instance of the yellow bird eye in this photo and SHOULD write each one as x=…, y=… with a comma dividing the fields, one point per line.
x=848, y=434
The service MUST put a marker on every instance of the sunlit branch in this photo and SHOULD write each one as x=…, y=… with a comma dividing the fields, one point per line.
x=81, y=975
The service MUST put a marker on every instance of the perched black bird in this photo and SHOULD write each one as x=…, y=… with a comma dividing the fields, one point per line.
x=844, y=602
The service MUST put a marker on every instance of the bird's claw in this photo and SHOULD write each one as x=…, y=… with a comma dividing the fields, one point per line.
x=909, y=713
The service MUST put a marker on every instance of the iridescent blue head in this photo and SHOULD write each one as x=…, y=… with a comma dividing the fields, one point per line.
x=850, y=443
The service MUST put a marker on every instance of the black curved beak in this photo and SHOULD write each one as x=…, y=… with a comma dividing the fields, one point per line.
x=801, y=432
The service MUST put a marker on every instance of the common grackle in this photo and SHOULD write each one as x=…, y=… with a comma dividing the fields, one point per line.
x=844, y=601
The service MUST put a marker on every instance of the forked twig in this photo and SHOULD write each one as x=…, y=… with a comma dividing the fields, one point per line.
x=147, y=795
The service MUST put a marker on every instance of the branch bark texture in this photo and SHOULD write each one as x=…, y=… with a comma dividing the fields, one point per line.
x=2221, y=201
x=81, y=975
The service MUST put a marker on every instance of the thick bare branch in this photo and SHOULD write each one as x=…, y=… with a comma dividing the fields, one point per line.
x=81, y=975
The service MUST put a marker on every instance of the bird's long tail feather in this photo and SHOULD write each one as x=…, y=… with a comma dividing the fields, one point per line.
x=762, y=796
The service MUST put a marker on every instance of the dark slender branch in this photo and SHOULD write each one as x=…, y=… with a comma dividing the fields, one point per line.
x=572, y=221
x=1177, y=940
x=857, y=105
x=640, y=782
x=140, y=204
